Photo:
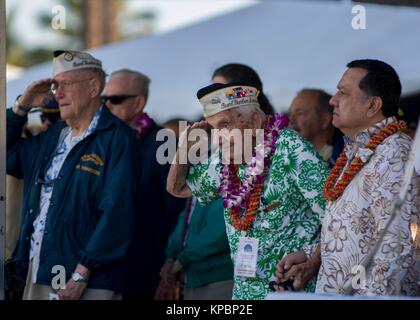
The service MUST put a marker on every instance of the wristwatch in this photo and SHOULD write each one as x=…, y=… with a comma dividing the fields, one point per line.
x=77, y=277
x=18, y=106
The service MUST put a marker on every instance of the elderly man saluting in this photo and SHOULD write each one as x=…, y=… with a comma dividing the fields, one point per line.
x=273, y=200
x=78, y=196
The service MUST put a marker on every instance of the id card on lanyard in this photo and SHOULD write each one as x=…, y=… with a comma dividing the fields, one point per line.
x=246, y=257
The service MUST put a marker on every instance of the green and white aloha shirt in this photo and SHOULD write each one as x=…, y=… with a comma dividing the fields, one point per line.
x=295, y=181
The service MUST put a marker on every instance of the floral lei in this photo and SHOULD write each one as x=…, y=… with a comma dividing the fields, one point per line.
x=143, y=124
x=333, y=189
x=242, y=199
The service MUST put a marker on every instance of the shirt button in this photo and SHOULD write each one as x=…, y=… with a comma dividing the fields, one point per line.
x=51, y=204
x=30, y=211
x=46, y=232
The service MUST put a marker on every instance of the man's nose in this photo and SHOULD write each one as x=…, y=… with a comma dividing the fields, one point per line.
x=59, y=94
x=292, y=118
x=333, y=101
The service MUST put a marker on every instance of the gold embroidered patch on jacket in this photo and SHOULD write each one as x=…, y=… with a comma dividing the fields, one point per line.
x=88, y=169
x=92, y=158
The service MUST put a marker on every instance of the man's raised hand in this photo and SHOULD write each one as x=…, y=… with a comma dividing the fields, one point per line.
x=36, y=94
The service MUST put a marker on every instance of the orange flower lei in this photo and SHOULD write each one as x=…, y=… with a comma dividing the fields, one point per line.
x=333, y=190
x=244, y=222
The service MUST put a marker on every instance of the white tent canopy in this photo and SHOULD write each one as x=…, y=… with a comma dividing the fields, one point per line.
x=291, y=44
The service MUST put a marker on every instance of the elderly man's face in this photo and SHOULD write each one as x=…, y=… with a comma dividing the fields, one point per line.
x=232, y=125
x=74, y=94
x=128, y=107
x=304, y=117
x=350, y=103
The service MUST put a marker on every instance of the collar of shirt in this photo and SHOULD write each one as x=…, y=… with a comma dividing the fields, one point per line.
x=66, y=143
x=92, y=126
x=356, y=147
x=326, y=152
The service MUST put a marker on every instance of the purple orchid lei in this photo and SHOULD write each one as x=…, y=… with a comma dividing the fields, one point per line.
x=143, y=124
x=237, y=197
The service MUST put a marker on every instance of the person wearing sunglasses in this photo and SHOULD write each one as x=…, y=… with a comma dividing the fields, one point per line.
x=117, y=100
x=78, y=204
x=125, y=95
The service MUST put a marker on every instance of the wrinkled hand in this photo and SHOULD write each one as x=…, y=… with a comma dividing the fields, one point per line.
x=166, y=275
x=298, y=268
x=167, y=266
x=300, y=274
x=72, y=291
x=184, y=142
x=172, y=279
x=288, y=261
x=166, y=292
x=285, y=265
x=177, y=267
x=36, y=94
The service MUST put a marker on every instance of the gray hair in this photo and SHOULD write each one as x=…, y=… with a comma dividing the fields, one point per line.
x=140, y=81
x=99, y=74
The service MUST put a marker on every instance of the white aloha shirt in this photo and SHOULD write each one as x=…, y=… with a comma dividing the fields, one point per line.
x=295, y=180
x=64, y=146
x=352, y=222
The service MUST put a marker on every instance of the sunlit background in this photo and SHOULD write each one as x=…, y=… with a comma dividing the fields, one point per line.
x=292, y=44
x=31, y=37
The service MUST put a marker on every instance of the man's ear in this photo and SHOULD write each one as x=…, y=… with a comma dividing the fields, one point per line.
x=375, y=106
x=140, y=102
x=326, y=120
x=257, y=122
x=95, y=88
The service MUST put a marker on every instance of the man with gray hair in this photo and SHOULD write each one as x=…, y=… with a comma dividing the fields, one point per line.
x=79, y=190
x=126, y=94
x=157, y=211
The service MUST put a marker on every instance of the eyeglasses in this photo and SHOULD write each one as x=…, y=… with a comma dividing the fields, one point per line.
x=64, y=85
x=118, y=99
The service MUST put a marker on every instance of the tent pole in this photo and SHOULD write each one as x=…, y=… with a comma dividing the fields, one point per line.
x=2, y=140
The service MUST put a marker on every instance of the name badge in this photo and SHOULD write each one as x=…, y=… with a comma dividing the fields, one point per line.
x=246, y=257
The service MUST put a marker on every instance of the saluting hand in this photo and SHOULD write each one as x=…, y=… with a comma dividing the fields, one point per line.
x=183, y=139
x=36, y=94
